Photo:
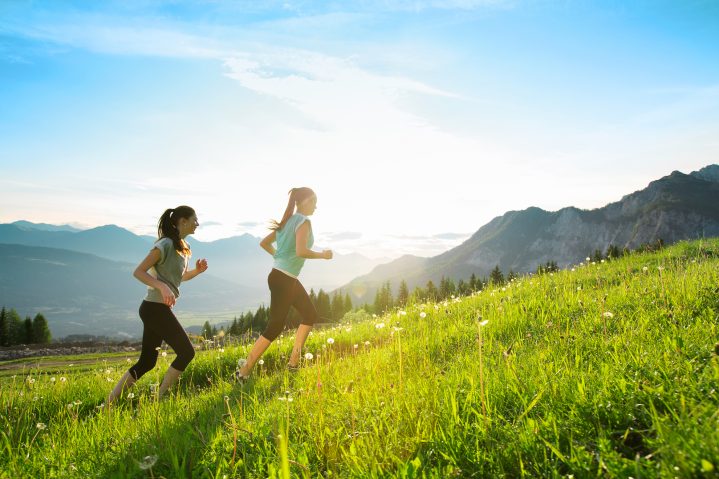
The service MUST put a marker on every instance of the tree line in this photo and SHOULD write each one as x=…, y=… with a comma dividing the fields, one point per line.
x=13, y=330
x=332, y=309
x=329, y=309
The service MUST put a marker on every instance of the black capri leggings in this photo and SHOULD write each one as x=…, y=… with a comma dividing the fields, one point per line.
x=161, y=324
x=287, y=291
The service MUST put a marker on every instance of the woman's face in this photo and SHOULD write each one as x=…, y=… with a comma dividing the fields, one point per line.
x=309, y=205
x=187, y=226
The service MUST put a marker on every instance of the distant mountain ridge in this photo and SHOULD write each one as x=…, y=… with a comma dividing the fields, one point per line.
x=238, y=259
x=676, y=207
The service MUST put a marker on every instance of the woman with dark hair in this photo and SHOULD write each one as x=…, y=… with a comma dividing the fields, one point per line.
x=293, y=236
x=162, y=270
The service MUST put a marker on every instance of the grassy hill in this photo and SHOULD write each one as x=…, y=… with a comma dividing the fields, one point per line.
x=602, y=370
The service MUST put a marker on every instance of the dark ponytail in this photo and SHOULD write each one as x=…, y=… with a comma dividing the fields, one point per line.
x=167, y=227
x=297, y=195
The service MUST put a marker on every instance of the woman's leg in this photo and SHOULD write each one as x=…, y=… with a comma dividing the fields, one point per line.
x=175, y=335
x=281, y=290
x=304, y=306
x=148, y=355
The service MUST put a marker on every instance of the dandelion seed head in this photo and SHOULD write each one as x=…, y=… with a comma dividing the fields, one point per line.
x=147, y=462
x=241, y=362
x=41, y=426
x=63, y=379
x=261, y=362
x=130, y=395
x=52, y=379
x=484, y=323
x=608, y=314
x=308, y=356
x=422, y=315
x=330, y=341
x=164, y=354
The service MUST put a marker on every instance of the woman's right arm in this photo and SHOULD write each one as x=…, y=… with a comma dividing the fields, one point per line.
x=141, y=274
x=267, y=241
x=301, y=244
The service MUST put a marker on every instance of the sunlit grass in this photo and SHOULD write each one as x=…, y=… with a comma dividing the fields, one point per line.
x=608, y=370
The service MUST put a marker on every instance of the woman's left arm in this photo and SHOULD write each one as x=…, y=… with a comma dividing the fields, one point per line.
x=200, y=267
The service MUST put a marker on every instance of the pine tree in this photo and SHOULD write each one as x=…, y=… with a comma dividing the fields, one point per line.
x=473, y=283
x=496, y=277
x=27, y=336
x=348, y=303
x=462, y=288
x=403, y=294
x=597, y=256
x=324, y=307
x=40, y=329
x=512, y=275
x=431, y=291
x=206, y=330
x=15, y=328
x=613, y=252
x=3, y=327
x=337, y=306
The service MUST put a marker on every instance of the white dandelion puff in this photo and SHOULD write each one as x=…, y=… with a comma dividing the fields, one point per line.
x=309, y=356
x=164, y=354
x=379, y=325
x=147, y=462
x=241, y=362
x=41, y=425
x=422, y=315
x=330, y=341
x=261, y=362
x=130, y=395
x=608, y=314
x=484, y=323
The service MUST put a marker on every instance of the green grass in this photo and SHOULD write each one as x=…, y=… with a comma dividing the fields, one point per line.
x=556, y=388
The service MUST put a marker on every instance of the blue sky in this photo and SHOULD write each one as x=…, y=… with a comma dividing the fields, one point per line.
x=415, y=121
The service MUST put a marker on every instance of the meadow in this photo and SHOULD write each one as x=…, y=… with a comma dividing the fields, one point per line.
x=605, y=369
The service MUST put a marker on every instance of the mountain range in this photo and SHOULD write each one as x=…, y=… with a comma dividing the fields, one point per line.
x=81, y=279
x=676, y=207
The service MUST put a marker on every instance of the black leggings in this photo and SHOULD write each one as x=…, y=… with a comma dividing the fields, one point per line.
x=161, y=324
x=287, y=291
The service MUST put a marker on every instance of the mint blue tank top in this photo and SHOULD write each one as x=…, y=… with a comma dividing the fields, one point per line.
x=286, y=258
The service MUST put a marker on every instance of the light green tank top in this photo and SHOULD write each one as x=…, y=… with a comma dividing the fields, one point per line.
x=286, y=258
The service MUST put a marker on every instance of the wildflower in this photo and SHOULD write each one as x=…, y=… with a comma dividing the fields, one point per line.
x=379, y=325
x=128, y=360
x=660, y=268
x=52, y=379
x=63, y=379
x=30, y=380
x=241, y=362
x=164, y=354
x=41, y=425
x=366, y=343
x=309, y=356
x=645, y=269
x=108, y=379
x=70, y=405
x=579, y=288
x=422, y=315
x=222, y=350
x=330, y=341
x=130, y=395
x=261, y=362
x=484, y=323
x=102, y=405
x=374, y=315
x=147, y=462
x=397, y=328
x=108, y=371
x=588, y=259
x=403, y=313
x=77, y=402
x=608, y=314
x=356, y=346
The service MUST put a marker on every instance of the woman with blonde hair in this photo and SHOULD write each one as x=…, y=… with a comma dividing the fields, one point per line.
x=293, y=237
